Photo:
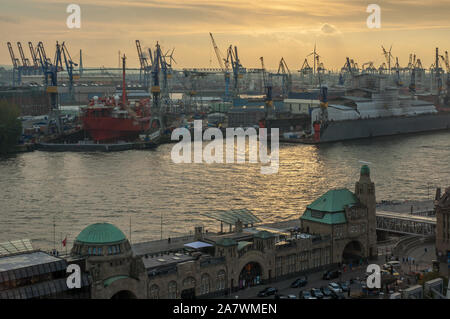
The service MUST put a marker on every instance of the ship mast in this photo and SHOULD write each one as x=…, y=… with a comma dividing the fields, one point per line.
x=124, y=91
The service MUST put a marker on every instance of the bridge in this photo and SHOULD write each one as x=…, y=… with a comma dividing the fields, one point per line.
x=407, y=224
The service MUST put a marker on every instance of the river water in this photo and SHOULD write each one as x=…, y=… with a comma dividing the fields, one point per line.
x=143, y=189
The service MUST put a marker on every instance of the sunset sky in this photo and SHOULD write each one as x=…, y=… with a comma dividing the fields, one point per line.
x=269, y=28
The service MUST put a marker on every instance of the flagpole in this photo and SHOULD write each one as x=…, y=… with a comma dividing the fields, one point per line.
x=54, y=234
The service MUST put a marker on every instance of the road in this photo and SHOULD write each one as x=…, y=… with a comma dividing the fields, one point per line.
x=314, y=281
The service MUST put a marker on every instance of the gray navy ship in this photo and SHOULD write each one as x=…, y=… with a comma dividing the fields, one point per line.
x=373, y=107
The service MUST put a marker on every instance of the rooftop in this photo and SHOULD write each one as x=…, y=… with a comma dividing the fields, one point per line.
x=334, y=200
x=101, y=233
x=26, y=260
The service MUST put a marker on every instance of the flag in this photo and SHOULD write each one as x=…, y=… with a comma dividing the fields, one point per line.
x=64, y=242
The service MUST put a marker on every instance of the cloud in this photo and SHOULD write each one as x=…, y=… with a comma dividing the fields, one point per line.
x=328, y=29
x=7, y=19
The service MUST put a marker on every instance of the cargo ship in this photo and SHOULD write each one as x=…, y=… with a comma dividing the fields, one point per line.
x=373, y=108
x=106, y=120
x=110, y=120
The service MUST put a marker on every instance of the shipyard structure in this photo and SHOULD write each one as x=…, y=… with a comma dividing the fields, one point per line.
x=338, y=227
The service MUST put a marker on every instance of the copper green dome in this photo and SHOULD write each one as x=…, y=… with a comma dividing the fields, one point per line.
x=365, y=170
x=101, y=233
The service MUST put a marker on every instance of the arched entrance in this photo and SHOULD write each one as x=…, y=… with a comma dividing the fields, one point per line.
x=188, y=290
x=353, y=253
x=123, y=294
x=250, y=275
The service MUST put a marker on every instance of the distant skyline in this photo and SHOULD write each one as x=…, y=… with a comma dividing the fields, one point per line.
x=269, y=28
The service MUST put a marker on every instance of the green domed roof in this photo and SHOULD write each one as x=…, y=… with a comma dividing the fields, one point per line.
x=365, y=170
x=101, y=233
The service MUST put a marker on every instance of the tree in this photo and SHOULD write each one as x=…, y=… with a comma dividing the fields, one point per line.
x=10, y=126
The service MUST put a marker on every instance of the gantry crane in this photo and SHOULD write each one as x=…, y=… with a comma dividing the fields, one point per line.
x=283, y=70
x=145, y=69
x=33, y=55
x=388, y=56
x=446, y=62
x=224, y=66
x=17, y=67
x=267, y=86
x=236, y=66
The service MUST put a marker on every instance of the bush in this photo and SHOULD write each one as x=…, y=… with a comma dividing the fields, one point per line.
x=10, y=126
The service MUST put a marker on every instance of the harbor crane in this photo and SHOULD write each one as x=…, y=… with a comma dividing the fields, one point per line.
x=397, y=68
x=286, y=77
x=233, y=60
x=145, y=66
x=306, y=68
x=268, y=87
x=446, y=62
x=25, y=61
x=224, y=66
x=368, y=67
x=33, y=55
x=17, y=67
x=388, y=56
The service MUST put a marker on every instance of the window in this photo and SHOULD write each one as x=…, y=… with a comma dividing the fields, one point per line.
x=154, y=292
x=221, y=280
x=189, y=282
x=204, y=284
x=172, y=290
x=100, y=251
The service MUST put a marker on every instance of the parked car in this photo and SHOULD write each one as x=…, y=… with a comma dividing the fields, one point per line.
x=337, y=295
x=331, y=274
x=344, y=286
x=285, y=296
x=315, y=292
x=267, y=292
x=305, y=294
x=334, y=287
x=326, y=291
x=300, y=282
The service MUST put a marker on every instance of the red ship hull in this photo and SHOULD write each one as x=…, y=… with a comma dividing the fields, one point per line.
x=104, y=129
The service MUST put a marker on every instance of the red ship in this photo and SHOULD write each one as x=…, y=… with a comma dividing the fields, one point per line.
x=108, y=120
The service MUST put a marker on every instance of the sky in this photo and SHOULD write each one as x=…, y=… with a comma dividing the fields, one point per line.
x=268, y=28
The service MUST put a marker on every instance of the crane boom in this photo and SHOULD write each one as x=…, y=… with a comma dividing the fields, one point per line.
x=25, y=61
x=15, y=61
x=218, y=55
x=142, y=59
x=33, y=55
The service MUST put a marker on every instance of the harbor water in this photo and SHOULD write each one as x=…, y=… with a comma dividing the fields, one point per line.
x=48, y=196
